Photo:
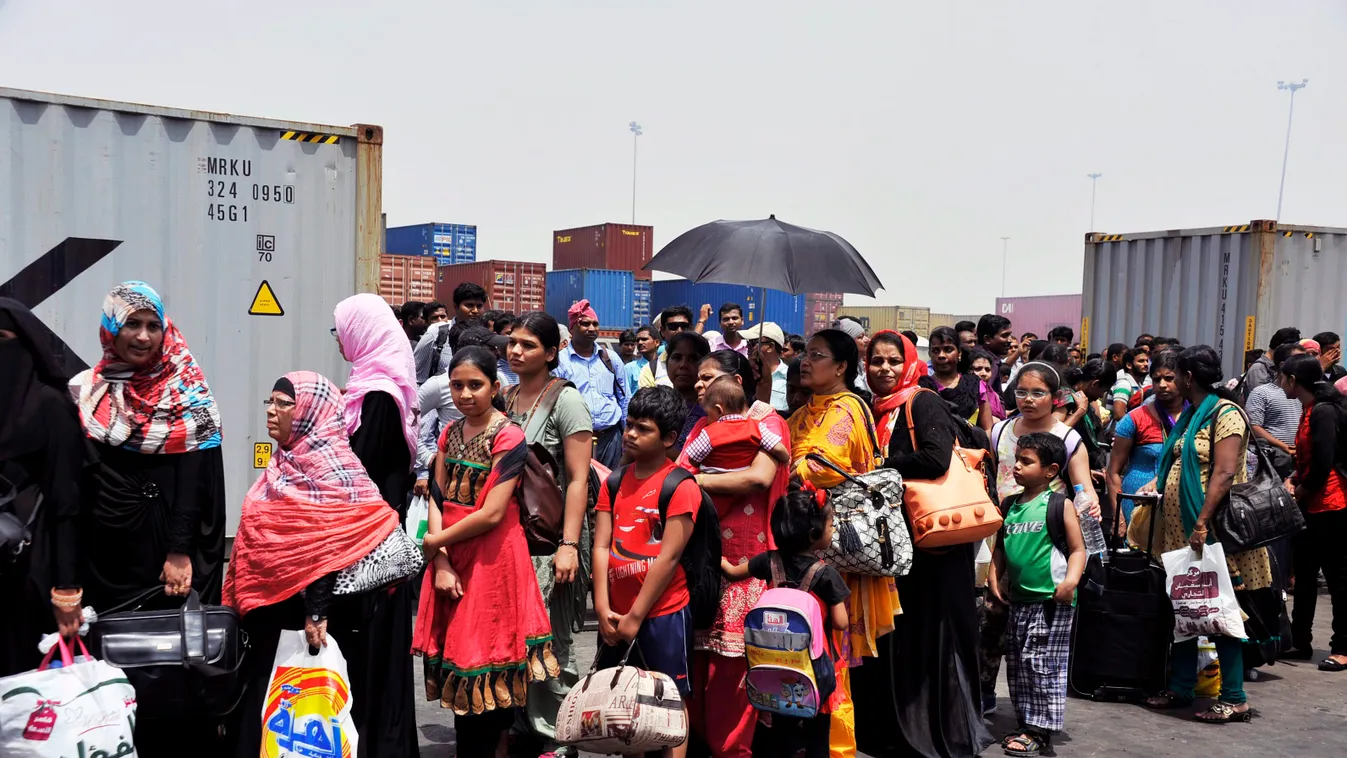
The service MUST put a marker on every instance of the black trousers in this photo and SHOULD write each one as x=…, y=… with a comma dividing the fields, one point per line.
x=1322, y=546
x=788, y=735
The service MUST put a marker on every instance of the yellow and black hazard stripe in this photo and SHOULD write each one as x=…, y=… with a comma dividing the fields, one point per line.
x=1308, y=235
x=1236, y=229
x=319, y=139
x=1108, y=238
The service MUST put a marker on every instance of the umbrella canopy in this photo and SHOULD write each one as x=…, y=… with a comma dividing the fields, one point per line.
x=768, y=253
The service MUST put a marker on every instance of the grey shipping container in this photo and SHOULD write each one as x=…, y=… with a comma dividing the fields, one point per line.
x=251, y=229
x=1230, y=287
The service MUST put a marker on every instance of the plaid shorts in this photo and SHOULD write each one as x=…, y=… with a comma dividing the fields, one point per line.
x=1038, y=651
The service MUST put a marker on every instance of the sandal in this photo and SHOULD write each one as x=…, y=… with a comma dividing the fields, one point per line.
x=1026, y=742
x=1167, y=699
x=1224, y=713
x=1328, y=664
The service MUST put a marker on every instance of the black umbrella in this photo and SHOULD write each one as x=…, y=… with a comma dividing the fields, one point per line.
x=770, y=254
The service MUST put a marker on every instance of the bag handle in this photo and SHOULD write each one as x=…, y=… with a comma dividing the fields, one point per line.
x=192, y=626
x=134, y=603
x=594, y=667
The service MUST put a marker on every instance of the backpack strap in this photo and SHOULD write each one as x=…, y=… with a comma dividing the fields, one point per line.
x=778, y=569
x=666, y=493
x=441, y=337
x=810, y=576
x=614, y=481
x=546, y=402
x=608, y=364
x=1057, y=522
x=997, y=429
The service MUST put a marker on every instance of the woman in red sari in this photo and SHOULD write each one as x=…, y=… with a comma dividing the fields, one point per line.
x=482, y=626
x=720, y=710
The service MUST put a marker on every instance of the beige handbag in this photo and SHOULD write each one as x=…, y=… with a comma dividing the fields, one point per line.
x=623, y=710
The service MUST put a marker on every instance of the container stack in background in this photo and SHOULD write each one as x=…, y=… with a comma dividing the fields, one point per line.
x=896, y=318
x=603, y=264
x=1041, y=313
x=938, y=320
x=782, y=308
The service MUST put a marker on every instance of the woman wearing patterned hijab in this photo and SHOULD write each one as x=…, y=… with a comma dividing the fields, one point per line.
x=317, y=504
x=156, y=515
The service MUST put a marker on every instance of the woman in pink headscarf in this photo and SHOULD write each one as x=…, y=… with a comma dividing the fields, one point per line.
x=379, y=409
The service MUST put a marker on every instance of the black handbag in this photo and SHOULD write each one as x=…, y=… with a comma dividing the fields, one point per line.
x=180, y=661
x=1257, y=512
x=20, y=502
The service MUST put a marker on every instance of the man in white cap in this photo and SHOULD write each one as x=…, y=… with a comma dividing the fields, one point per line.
x=770, y=342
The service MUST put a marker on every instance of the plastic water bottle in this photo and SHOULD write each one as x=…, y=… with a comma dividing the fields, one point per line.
x=1090, y=529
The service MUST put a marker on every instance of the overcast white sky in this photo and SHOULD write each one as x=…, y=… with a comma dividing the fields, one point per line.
x=920, y=131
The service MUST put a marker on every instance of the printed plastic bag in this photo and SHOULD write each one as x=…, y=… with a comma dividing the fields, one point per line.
x=1203, y=597
x=307, y=710
x=81, y=707
x=418, y=513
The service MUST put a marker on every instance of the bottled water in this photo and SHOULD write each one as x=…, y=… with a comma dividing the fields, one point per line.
x=1090, y=528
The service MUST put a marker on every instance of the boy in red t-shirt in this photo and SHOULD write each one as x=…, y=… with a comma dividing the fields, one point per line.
x=640, y=590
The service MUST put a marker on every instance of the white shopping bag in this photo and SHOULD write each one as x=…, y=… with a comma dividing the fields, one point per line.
x=418, y=513
x=1203, y=597
x=307, y=710
x=83, y=708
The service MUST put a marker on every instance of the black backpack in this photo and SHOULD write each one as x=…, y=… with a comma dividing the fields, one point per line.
x=441, y=337
x=701, y=557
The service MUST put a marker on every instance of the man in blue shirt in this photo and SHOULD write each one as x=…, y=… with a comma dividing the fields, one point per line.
x=595, y=371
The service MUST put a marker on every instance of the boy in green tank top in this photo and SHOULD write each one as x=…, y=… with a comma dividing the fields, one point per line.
x=1039, y=559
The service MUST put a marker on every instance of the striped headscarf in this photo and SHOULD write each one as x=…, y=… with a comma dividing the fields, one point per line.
x=166, y=408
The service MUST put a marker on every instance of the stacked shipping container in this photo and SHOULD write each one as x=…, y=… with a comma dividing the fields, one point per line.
x=515, y=286
x=820, y=309
x=621, y=247
x=610, y=294
x=640, y=304
x=782, y=308
x=1041, y=313
x=448, y=244
x=938, y=320
x=895, y=318
x=406, y=277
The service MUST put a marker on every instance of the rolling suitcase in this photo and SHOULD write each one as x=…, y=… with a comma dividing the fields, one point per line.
x=1124, y=625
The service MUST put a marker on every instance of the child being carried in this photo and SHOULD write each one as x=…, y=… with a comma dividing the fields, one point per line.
x=731, y=440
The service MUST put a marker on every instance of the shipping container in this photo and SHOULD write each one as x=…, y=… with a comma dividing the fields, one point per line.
x=622, y=247
x=938, y=320
x=820, y=310
x=406, y=277
x=514, y=286
x=897, y=318
x=1041, y=314
x=610, y=294
x=251, y=229
x=1230, y=287
x=640, y=304
x=448, y=244
x=782, y=308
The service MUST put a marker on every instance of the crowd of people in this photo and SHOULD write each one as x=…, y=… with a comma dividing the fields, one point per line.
x=450, y=402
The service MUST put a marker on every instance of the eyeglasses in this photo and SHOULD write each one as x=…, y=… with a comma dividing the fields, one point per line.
x=333, y=330
x=281, y=405
x=815, y=355
x=1031, y=394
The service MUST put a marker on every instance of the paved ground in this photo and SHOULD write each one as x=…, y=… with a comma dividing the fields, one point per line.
x=1302, y=712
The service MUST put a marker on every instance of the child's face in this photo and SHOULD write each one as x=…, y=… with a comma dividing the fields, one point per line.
x=1033, y=396
x=471, y=390
x=826, y=540
x=1030, y=471
x=642, y=439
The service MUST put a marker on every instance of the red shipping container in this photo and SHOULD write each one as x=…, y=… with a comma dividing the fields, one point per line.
x=1040, y=313
x=618, y=247
x=514, y=286
x=820, y=309
x=406, y=277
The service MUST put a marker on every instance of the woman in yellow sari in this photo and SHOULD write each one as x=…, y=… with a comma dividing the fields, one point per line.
x=837, y=425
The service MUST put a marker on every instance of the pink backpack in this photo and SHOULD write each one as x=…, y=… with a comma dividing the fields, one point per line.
x=790, y=671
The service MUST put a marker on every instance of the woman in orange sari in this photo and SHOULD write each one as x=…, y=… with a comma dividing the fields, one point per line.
x=837, y=425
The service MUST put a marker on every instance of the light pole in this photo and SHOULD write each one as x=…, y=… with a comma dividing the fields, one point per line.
x=1005, y=258
x=1286, y=153
x=635, y=133
x=1094, y=184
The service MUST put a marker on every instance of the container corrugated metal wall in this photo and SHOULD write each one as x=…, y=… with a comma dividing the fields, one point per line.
x=610, y=294
x=406, y=277
x=640, y=304
x=622, y=247
x=178, y=197
x=896, y=318
x=782, y=308
x=448, y=244
x=1229, y=287
x=515, y=286
x=1041, y=313
x=938, y=320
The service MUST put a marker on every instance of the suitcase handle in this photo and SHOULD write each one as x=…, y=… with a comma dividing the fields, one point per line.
x=1152, y=499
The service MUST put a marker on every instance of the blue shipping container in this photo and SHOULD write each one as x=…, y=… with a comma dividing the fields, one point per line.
x=781, y=308
x=640, y=306
x=608, y=292
x=448, y=243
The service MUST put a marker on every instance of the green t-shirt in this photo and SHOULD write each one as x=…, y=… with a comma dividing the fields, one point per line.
x=569, y=416
x=1034, y=567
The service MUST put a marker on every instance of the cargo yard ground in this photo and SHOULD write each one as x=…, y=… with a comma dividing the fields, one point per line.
x=1301, y=712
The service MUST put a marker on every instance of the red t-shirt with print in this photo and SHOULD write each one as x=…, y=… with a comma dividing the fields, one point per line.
x=635, y=515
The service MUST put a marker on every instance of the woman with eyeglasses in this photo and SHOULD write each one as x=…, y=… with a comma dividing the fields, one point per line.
x=380, y=407
x=837, y=425
x=157, y=514
x=1036, y=387
x=924, y=678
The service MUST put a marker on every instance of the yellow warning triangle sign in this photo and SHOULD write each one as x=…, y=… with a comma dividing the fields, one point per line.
x=265, y=302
